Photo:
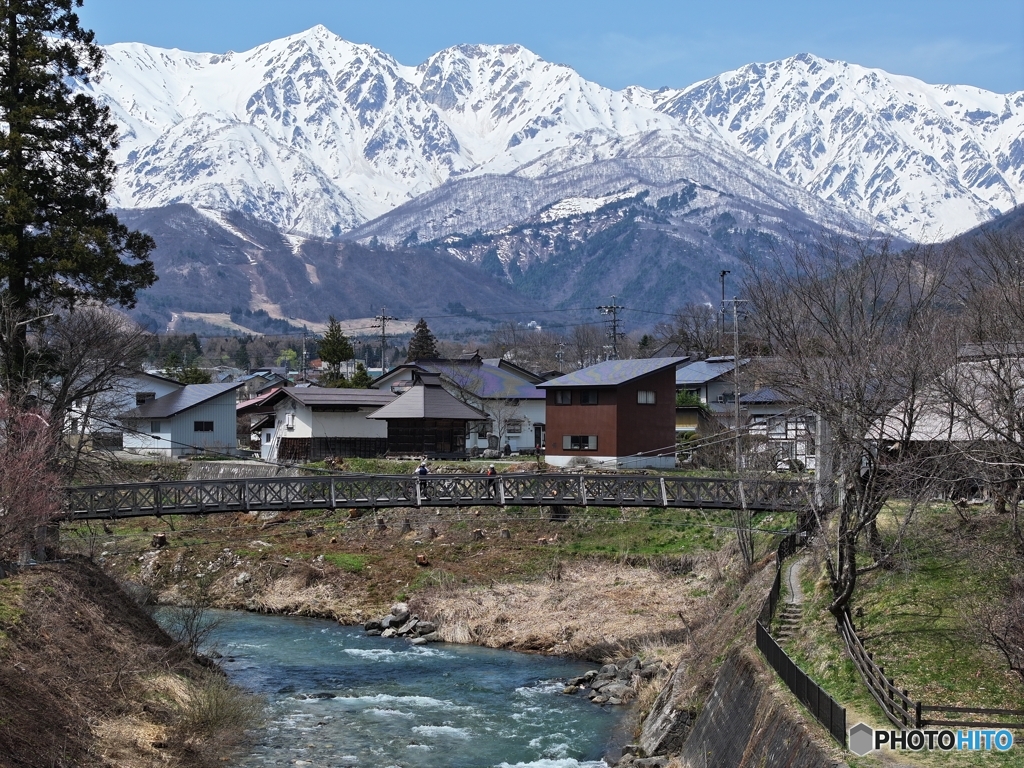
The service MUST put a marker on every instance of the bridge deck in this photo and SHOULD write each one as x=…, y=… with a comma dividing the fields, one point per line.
x=382, y=491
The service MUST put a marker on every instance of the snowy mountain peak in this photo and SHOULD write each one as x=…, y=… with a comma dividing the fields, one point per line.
x=318, y=134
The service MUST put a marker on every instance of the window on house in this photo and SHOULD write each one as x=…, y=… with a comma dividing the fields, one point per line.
x=563, y=397
x=646, y=397
x=267, y=436
x=154, y=427
x=202, y=426
x=514, y=426
x=289, y=421
x=588, y=397
x=142, y=398
x=777, y=427
x=579, y=442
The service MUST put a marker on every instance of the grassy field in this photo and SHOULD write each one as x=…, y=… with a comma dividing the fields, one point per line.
x=919, y=620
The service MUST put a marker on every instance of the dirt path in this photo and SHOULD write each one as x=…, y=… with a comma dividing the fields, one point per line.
x=795, y=593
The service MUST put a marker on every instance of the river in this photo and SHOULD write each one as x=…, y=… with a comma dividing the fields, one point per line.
x=339, y=698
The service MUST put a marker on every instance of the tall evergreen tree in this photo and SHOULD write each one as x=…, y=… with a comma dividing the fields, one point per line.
x=335, y=348
x=59, y=243
x=423, y=345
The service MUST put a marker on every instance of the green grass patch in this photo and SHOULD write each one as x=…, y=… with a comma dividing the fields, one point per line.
x=11, y=596
x=346, y=562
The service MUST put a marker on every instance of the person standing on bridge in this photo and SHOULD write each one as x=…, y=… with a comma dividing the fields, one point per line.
x=492, y=483
x=421, y=471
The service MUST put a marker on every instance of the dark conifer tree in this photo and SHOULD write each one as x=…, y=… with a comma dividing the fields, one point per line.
x=59, y=243
x=423, y=345
x=335, y=348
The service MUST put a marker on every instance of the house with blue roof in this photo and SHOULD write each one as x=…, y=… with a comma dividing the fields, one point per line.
x=619, y=413
x=194, y=419
x=507, y=393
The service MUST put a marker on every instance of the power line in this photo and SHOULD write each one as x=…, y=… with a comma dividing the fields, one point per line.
x=613, y=310
x=382, y=321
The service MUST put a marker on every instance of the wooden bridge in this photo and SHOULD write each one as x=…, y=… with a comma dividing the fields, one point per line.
x=201, y=497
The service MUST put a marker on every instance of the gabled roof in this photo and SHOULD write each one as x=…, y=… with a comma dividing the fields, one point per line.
x=328, y=397
x=258, y=404
x=612, y=373
x=479, y=378
x=765, y=396
x=706, y=370
x=427, y=399
x=157, y=376
x=174, y=403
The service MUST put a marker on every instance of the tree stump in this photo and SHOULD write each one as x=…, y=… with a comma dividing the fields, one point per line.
x=158, y=541
x=505, y=533
x=478, y=535
x=431, y=533
x=406, y=527
x=381, y=525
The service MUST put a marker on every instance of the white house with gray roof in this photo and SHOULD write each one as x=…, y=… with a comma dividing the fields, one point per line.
x=312, y=423
x=197, y=418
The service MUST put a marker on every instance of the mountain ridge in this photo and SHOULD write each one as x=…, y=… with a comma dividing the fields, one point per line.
x=320, y=135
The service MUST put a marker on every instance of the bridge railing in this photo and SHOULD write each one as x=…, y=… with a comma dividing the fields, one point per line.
x=379, y=491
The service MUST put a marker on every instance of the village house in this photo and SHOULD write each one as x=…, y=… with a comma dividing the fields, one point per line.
x=507, y=393
x=784, y=432
x=426, y=420
x=192, y=419
x=620, y=413
x=300, y=424
x=94, y=420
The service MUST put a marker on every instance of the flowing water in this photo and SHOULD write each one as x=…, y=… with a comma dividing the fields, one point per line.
x=339, y=698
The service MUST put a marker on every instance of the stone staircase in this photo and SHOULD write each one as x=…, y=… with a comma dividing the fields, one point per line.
x=788, y=621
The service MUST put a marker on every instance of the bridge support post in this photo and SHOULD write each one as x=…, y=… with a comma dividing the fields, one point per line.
x=664, y=492
x=559, y=513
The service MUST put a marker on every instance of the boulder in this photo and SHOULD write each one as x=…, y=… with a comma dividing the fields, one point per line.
x=633, y=665
x=409, y=626
x=610, y=670
x=374, y=633
x=372, y=624
x=418, y=641
x=600, y=699
x=570, y=689
x=425, y=628
x=433, y=637
x=618, y=690
x=389, y=632
x=400, y=611
x=614, y=700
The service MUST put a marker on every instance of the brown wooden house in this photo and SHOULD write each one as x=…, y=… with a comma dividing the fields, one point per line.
x=620, y=413
x=428, y=421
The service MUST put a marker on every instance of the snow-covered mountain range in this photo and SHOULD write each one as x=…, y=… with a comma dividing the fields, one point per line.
x=320, y=136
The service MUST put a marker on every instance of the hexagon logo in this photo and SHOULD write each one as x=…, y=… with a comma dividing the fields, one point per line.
x=862, y=739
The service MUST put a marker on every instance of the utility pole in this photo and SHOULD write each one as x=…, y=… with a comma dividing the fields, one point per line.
x=613, y=310
x=721, y=312
x=381, y=321
x=302, y=374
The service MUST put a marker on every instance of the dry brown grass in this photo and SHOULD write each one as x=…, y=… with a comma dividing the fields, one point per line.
x=591, y=609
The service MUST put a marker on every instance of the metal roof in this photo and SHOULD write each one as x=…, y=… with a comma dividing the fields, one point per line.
x=614, y=372
x=706, y=370
x=480, y=379
x=765, y=395
x=174, y=403
x=428, y=401
x=331, y=396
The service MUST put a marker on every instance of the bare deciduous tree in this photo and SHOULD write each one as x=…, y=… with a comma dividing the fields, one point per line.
x=29, y=486
x=855, y=334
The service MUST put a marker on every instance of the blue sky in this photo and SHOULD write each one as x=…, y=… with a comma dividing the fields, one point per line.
x=652, y=43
